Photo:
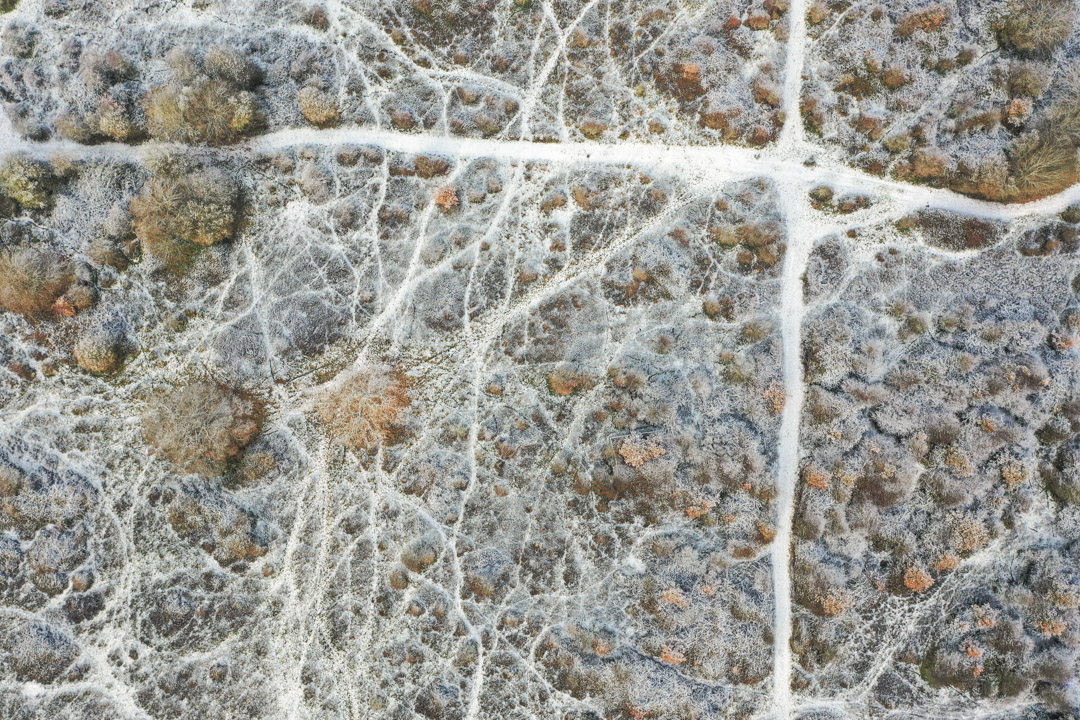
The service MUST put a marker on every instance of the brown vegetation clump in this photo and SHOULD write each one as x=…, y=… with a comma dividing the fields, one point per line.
x=1013, y=474
x=776, y=397
x=209, y=111
x=32, y=279
x=566, y=380
x=927, y=20
x=817, y=13
x=205, y=102
x=364, y=408
x=446, y=198
x=1042, y=163
x=683, y=81
x=672, y=656
x=917, y=580
x=637, y=453
x=1036, y=26
x=674, y=596
x=967, y=535
x=816, y=478
x=836, y=602
x=200, y=427
x=180, y=212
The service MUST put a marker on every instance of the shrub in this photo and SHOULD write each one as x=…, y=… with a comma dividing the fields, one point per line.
x=29, y=181
x=31, y=279
x=102, y=70
x=8, y=5
x=1042, y=163
x=817, y=13
x=1026, y=79
x=1036, y=26
x=364, y=408
x=227, y=64
x=102, y=347
x=927, y=20
x=446, y=198
x=207, y=101
x=1063, y=115
x=917, y=580
x=209, y=111
x=317, y=107
x=179, y=212
x=201, y=427
x=115, y=119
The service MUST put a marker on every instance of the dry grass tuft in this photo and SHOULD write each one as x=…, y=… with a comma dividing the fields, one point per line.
x=1042, y=163
x=201, y=427
x=364, y=409
x=32, y=279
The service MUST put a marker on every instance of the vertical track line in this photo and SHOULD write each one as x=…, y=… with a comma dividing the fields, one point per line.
x=800, y=239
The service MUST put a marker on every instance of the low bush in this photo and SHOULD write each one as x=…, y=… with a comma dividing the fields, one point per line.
x=32, y=279
x=102, y=346
x=1036, y=26
x=318, y=107
x=1043, y=163
x=364, y=408
x=29, y=181
x=181, y=211
x=206, y=101
x=201, y=427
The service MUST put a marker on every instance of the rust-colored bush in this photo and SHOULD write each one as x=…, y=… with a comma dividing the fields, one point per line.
x=364, y=408
x=917, y=580
x=927, y=20
x=566, y=380
x=446, y=198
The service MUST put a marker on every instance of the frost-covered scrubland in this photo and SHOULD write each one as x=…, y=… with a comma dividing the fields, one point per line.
x=531, y=359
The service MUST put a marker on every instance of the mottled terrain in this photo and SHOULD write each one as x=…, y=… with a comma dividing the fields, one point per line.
x=535, y=359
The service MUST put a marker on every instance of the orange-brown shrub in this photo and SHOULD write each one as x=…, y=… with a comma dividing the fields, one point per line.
x=917, y=580
x=364, y=408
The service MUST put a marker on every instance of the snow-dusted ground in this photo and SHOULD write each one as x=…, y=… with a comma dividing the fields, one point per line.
x=793, y=164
